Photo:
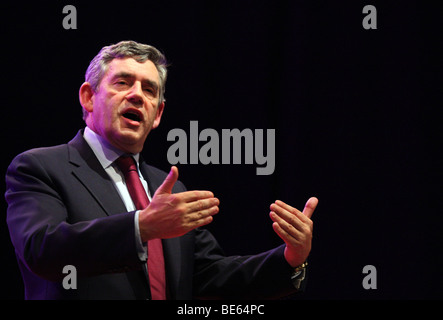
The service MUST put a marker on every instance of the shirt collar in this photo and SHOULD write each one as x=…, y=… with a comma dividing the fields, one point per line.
x=103, y=150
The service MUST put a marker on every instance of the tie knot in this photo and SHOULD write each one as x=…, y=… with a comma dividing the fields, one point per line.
x=126, y=164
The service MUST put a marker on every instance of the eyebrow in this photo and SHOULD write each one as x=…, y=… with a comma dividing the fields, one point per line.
x=127, y=75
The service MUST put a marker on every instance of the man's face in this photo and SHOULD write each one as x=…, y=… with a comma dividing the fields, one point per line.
x=126, y=105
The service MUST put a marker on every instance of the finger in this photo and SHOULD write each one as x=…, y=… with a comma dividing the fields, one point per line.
x=169, y=182
x=294, y=219
x=301, y=215
x=287, y=207
x=280, y=232
x=283, y=234
x=204, y=222
x=196, y=195
x=203, y=204
x=196, y=217
x=291, y=229
x=310, y=206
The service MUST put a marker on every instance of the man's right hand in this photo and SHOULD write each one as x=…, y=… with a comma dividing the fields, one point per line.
x=172, y=215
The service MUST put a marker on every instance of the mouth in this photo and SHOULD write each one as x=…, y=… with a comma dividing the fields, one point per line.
x=133, y=115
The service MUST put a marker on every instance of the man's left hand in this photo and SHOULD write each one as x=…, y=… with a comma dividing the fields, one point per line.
x=295, y=228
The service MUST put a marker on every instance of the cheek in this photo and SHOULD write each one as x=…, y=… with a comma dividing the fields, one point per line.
x=108, y=110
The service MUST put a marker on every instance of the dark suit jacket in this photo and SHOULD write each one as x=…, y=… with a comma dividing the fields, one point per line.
x=63, y=209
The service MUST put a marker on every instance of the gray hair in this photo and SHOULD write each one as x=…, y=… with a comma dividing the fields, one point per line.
x=126, y=49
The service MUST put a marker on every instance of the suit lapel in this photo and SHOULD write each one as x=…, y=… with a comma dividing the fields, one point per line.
x=88, y=170
x=94, y=178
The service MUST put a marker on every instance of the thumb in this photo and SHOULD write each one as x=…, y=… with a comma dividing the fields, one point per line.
x=169, y=182
x=310, y=206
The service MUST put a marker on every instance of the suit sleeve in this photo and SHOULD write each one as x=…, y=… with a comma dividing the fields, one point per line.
x=216, y=276
x=263, y=276
x=44, y=239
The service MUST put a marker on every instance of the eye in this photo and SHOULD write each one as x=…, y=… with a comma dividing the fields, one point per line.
x=121, y=85
x=150, y=91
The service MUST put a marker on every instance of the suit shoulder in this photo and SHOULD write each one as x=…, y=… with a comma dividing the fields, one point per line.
x=44, y=157
x=43, y=153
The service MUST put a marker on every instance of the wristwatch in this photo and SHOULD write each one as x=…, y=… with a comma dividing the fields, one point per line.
x=298, y=275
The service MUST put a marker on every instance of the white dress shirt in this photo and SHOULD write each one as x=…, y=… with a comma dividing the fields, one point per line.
x=106, y=155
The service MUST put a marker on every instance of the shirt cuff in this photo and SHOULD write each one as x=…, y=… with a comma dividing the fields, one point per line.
x=141, y=247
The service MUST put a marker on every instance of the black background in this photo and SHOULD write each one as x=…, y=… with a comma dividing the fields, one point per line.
x=355, y=113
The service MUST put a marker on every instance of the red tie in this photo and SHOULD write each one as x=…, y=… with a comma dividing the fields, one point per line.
x=156, y=263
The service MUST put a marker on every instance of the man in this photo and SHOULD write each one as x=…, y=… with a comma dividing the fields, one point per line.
x=74, y=205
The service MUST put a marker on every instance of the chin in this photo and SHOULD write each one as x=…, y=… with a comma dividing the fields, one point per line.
x=132, y=142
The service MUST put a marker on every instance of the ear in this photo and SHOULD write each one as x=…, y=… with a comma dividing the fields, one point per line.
x=86, y=95
x=158, y=117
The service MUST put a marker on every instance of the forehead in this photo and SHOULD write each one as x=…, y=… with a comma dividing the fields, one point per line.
x=140, y=70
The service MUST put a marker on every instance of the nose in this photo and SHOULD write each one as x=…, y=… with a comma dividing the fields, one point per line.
x=135, y=96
